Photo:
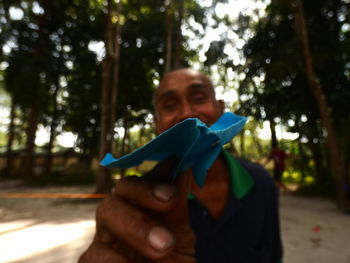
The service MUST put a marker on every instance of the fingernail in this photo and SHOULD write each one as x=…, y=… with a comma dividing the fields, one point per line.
x=164, y=192
x=160, y=239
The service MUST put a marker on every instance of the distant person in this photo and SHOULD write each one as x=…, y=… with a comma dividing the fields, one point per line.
x=232, y=219
x=278, y=156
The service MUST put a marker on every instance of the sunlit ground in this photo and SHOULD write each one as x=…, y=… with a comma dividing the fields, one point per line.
x=28, y=241
x=58, y=231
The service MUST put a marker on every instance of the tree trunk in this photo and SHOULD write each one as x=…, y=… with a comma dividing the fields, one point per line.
x=104, y=176
x=169, y=37
x=178, y=36
x=6, y=4
x=141, y=136
x=10, y=139
x=33, y=109
x=125, y=137
x=242, y=143
x=336, y=155
x=257, y=142
x=109, y=92
x=123, y=148
x=32, y=123
x=274, y=142
x=128, y=145
x=303, y=160
x=53, y=133
x=321, y=170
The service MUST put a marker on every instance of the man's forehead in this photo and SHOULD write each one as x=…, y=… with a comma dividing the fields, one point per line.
x=183, y=75
x=183, y=78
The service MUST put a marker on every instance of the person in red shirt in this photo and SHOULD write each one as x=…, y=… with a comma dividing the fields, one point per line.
x=278, y=156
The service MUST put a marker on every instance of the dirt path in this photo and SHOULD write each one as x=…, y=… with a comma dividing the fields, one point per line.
x=56, y=230
x=314, y=230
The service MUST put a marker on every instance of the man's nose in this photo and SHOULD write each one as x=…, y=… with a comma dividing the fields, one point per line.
x=187, y=111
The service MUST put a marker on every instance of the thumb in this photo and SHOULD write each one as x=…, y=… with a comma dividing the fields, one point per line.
x=180, y=211
x=163, y=170
x=178, y=220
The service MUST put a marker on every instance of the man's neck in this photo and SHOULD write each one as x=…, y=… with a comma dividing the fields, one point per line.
x=214, y=194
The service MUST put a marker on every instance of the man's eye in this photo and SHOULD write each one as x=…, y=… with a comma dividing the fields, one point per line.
x=199, y=97
x=170, y=105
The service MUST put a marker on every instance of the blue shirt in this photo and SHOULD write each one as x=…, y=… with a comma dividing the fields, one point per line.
x=248, y=230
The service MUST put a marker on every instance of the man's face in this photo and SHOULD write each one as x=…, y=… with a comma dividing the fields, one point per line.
x=184, y=94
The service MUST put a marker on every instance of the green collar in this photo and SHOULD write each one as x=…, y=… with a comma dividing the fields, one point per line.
x=241, y=181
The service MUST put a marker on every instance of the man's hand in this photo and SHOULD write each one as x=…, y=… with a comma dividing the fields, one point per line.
x=145, y=220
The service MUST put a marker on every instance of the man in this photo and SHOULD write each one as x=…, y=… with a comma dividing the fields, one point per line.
x=233, y=218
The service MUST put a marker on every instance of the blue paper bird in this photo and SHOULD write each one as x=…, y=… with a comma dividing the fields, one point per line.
x=194, y=143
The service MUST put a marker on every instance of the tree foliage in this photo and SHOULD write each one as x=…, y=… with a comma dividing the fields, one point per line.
x=54, y=77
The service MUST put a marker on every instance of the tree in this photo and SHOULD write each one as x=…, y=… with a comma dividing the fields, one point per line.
x=54, y=75
x=29, y=91
x=80, y=25
x=336, y=154
x=109, y=87
x=275, y=73
x=169, y=33
x=52, y=70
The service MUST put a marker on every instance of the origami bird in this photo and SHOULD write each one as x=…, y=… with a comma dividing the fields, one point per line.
x=194, y=143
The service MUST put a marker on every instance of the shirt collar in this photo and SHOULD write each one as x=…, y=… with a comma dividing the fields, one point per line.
x=241, y=181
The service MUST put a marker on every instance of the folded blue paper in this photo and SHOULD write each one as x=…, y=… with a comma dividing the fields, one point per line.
x=194, y=143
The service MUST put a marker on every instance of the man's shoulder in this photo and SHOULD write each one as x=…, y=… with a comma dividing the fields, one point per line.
x=253, y=168
x=257, y=172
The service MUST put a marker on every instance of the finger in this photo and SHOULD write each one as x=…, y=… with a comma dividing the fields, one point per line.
x=179, y=213
x=183, y=183
x=163, y=171
x=118, y=246
x=128, y=223
x=160, y=197
x=101, y=253
x=178, y=220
